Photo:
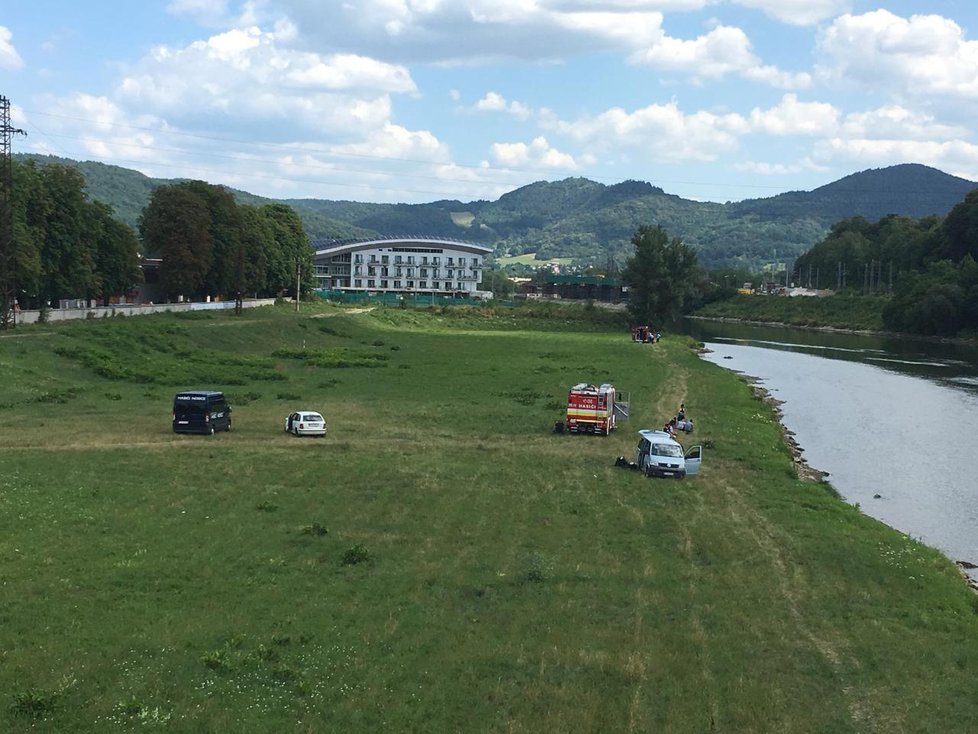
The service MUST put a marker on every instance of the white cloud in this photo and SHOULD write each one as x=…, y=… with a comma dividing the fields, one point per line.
x=477, y=31
x=799, y=12
x=924, y=55
x=791, y=117
x=774, y=169
x=394, y=142
x=9, y=58
x=245, y=75
x=894, y=122
x=537, y=155
x=956, y=156
x=495, y=102
x=659, y=131
x=101, y=127
x=724, y=50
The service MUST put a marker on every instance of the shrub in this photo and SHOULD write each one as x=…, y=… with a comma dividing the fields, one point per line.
x=33, y=703
x=356, y=554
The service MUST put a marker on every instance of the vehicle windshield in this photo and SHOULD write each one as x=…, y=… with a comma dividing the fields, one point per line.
x=187, y=407
x=311, y=418
x=666, y=449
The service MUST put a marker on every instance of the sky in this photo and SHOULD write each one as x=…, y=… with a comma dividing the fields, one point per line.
x=414, y=101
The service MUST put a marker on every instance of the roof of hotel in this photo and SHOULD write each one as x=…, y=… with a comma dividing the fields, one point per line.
x=324, y=246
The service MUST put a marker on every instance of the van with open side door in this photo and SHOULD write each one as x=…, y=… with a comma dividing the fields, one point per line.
x=201, y=411
x=660, y=455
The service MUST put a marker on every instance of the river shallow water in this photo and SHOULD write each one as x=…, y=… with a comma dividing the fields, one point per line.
x=882, y=416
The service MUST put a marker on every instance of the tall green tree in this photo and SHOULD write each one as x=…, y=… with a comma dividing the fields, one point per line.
x=225, y=227
x=257, y=243
x=67, y=249
x=116, y=254
x=28, y=202
x=960, y=229
x=175, y=227
x=662, y=276
x=291, y=250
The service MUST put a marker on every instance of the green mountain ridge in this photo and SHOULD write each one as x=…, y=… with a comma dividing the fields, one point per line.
x=590, y=221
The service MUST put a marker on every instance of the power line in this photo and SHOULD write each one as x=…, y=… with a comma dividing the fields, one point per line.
x=307, y=150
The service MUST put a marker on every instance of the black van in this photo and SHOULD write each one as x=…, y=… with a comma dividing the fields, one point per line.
x=201, y=411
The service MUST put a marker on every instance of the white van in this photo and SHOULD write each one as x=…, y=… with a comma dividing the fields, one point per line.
x=660, y=455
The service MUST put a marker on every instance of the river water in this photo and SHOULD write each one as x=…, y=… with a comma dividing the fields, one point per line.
x=883, y=416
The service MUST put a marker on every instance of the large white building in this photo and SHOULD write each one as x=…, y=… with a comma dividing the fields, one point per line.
x=399, y=264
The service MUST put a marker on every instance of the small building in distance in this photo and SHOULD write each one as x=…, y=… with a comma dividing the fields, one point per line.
x=417, y=265
x=579, y=288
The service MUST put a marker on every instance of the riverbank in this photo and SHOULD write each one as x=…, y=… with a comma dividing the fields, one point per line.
x=442, y=560
x=859, y=313
x=846, y=314
x=964, y=341
x=804, y=470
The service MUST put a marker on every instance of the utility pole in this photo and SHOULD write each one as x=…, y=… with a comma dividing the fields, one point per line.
x=8, y=249
x=298, y=281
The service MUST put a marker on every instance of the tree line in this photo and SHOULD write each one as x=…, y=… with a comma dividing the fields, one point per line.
x=65, y=245
x=928, y=266
x=210, y=245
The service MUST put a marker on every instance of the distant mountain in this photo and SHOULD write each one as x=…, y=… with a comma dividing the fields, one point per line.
x=593, y=222
x=909, y=189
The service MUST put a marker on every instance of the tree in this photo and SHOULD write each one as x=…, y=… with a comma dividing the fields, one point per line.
x=662, y=276
x=176, y=227
x=498, y=282
x=116, y=254
x=225, y=227
x=67, y=249
x=257, y=242
x=291, y=249
x=960, y=229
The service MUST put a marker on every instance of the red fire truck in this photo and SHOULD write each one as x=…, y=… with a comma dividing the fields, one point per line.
x=591, y=409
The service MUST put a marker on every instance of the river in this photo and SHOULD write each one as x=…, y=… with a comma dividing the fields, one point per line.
x=893, y=421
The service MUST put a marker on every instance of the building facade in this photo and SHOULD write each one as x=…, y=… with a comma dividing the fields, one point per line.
x=399, y=264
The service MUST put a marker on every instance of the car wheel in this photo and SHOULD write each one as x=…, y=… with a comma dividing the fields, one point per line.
x=212, y=429
x=228, y=429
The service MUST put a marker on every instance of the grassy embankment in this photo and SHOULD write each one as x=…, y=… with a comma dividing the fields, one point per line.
x=860, y=313
x=441, y=561
x=530, y=258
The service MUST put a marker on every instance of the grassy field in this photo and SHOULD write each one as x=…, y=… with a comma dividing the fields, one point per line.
x=530, y=258
x=441, y=561
x=864, y=313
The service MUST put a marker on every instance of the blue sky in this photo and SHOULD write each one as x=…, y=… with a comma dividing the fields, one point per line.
x=418, y=100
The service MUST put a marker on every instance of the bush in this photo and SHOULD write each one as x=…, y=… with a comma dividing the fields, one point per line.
x=355, y=555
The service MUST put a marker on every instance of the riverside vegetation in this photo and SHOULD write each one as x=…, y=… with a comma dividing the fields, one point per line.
x=442, y=561
x=841, y=311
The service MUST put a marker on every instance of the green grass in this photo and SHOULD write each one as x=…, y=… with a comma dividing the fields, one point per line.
x=441, y=561
x=864, y=313
x=530, y=258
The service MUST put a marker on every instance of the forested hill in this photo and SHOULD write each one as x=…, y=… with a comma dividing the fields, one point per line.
x=909, y=190
x=591, y=221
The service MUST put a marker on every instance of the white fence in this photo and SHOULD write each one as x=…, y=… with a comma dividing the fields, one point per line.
x=97, y=312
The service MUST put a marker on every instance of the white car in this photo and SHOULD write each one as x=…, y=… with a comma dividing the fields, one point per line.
x=306, y=423
x=659, y=455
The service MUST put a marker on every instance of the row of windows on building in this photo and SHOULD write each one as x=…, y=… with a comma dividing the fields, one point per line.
x=412, y=260
x=395, y=272
x=397, y=284
x=409, y=272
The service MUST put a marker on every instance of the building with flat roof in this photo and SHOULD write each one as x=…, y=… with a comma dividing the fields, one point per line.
x=399, y=264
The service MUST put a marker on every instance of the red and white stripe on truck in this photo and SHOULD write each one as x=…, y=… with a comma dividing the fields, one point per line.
x=591, y=409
